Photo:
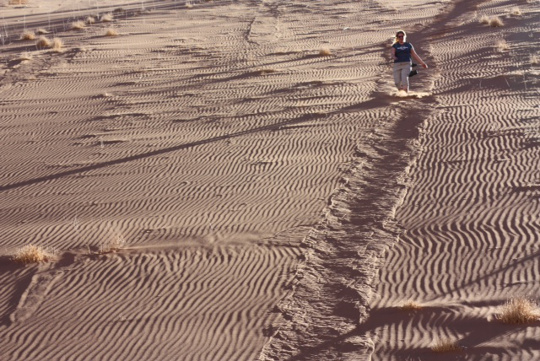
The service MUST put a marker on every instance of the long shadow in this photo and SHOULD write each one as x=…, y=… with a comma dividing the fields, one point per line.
x=275, y=126
x=370, y=104
x=271, y=127
x=533, y=256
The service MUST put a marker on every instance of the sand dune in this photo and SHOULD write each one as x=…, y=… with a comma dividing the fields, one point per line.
x=469, y=227
x=240, y=180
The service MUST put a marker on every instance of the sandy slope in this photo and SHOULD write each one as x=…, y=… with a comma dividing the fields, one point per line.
x=209, y=139
x=258, y=186
x=470, y=218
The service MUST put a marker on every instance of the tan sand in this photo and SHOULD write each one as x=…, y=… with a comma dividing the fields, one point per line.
x=213, y=188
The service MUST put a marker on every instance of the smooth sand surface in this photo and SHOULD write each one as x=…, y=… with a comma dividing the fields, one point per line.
x=215, y=187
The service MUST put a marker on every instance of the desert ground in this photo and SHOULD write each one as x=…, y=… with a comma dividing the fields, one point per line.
x=240, y=180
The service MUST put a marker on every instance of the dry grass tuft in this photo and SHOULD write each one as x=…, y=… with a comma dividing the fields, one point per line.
x=515, y=11
x=18, y=2
x=41, y=31
x=43, y=42
x=325, y=52
x=446, y=345
x=518, y=311
x=111, y=32
x=25, y=56
x=502, y=46
x=534, y=59
x=32, y=254
x=484, y=20
x=266, y=71
x=78, y=25
x=28, y=35
x=411, y=306
x=112, y=245
x=57, y=45
x=90, y=20
x=189, y=5
x=107, y=18
x=496, y=22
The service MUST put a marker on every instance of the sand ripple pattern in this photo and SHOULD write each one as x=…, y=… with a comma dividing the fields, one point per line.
x=186, y=137
x=470, y=218
x=203, y=304
x=216, y=133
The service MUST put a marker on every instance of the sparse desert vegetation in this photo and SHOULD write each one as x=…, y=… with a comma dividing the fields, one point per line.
x=411, y=306
x=28, y=35
x=57, y=45
x=107, y=18
x=112, y=245
x=90, y=20
x=534, y=59
x=502, y=46
x=43, y=42
x=325, y=52
x=78, y=25
x=266, y=71
x=495, y=22
x=445, y=345
x=111, y=32
x=516, y=11
x=32, y=254
x=518, y=311
x=484, y=20
x=25, y=56
x=18, y=2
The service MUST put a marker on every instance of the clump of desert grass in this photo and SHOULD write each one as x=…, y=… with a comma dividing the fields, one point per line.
x=519, y=311
x=446, y=345
x=28, y=35
x=189, y=5
x=90, y=20
x=325, y=52
x=515, y=11
x=533, y=59
x=32, y=254
x=112, y=245
x=78, y=25
x=43, y=42
x=411, y=306
x=41, y=32
x=107, y=18
x=502, y=46
x=496, y=22
x=111, y=32
x=57, y=45
x=26, y=56
x=484, y=20
x=265, y=71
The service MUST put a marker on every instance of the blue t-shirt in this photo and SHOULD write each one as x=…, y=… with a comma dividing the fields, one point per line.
x=403, y=52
